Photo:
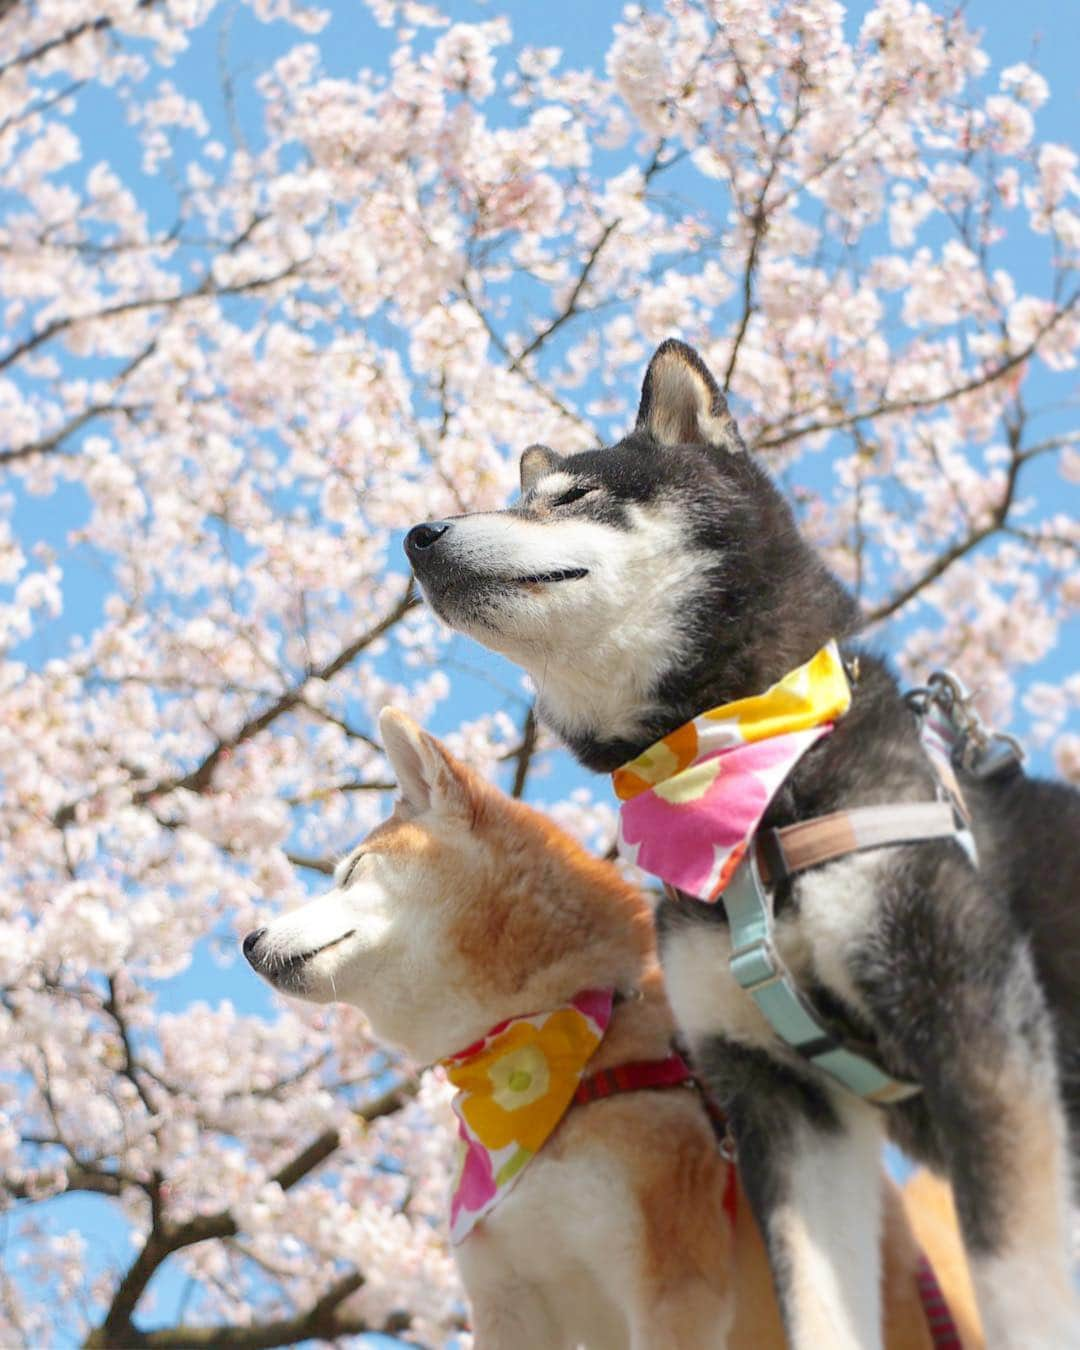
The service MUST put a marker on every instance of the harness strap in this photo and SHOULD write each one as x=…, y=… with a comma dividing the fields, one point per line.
x=761, y=971
x=943, y=1330
x=813, y=842
x=644, y=1073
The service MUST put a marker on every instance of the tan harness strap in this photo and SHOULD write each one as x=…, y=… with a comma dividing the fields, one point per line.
x=812, y=842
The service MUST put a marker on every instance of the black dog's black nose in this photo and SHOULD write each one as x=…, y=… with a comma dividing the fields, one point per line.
x=422, y=537
x=251, y=940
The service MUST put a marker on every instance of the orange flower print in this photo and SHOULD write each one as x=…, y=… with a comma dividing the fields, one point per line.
x=516, y=1090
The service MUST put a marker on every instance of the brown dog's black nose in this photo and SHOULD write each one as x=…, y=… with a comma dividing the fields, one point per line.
x=422, y=537
x=250, y=941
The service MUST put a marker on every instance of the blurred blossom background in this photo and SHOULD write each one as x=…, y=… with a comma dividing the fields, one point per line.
x=280, y=280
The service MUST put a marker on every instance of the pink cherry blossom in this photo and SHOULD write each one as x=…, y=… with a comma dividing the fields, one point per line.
x=263, y=312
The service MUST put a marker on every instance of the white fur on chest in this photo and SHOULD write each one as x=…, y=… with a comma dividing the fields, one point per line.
x=554, y=1262
x=836, y=909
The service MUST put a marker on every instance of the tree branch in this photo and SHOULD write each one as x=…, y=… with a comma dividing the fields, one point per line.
x=324, y=1321
x=524, y=756
x=206, y=290
x=46, y=444
x=958, y=550
x=903, y=405
x=112, y=1007
x=570, y=308
x=79, y=1177
x=117, y=1332
x=199, y=779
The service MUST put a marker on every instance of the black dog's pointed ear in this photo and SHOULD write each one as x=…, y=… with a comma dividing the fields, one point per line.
x=536, y=462
x=681, y=403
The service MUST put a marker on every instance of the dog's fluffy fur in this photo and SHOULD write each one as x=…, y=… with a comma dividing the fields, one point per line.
x=466, y=908
x=647, y=582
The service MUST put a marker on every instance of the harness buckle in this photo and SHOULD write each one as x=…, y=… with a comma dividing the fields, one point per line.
x=755, y=965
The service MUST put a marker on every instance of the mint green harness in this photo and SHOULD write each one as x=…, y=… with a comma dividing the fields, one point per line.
x=759, y=969
x=951, y=733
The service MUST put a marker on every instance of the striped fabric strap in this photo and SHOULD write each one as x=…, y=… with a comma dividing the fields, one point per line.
x=943, y=1331
x=811, y=843
x=645, y=1073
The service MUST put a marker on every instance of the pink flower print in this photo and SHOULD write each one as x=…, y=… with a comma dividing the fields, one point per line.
x=685, y=827
x=475, y=1184
x=595, y=1004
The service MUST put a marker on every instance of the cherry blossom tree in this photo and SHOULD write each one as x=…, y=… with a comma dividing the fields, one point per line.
x=259, y=321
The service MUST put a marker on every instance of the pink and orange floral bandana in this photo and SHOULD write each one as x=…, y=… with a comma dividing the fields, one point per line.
x=514, y=1087
x=692, y=801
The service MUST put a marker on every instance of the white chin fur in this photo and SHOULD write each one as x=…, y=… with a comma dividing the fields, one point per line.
x=597, y=647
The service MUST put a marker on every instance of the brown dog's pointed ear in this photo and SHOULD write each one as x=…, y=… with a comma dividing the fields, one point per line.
x=429, y=778
x=681, y=403
x=536, y=462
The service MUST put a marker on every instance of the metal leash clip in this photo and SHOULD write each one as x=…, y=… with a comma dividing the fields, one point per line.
x=976, y=748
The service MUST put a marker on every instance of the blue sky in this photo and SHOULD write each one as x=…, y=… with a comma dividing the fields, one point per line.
x=1050, y=28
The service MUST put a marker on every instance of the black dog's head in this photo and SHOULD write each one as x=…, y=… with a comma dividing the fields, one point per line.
x=641, y=583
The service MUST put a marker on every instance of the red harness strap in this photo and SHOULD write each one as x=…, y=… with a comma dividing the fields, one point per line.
x=645, y=1073
x=661, y=1073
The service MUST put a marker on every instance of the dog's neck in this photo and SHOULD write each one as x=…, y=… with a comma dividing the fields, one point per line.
x=734, y=659
x=642, y=1026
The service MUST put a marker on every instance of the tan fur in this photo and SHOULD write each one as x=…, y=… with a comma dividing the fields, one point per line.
x=616, y=1235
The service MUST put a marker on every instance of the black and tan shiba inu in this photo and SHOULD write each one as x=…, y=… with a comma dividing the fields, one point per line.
x=645, y=583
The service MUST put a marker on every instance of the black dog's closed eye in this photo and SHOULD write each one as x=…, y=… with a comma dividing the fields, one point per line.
x=573, y=494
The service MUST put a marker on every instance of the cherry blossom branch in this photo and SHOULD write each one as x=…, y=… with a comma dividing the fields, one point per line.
x=656, y=164
x=164, y=1239
x=46, y=444
x=324, y=1320
x=523, y=756
x=523, y=371
x=963, y=546
x=349, y=785
x=112, y=1007
x=888, y=407
x=43, y=105
x=200, y=778
x=77, y=1177
x=69, y=35
x=570, y=308
x=759, y=218
x=205, y=291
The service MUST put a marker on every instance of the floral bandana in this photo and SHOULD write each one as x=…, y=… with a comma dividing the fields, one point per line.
x=692, y=801
x=514, y=1087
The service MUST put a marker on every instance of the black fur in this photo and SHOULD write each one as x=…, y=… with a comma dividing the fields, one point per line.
x=946, y=974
